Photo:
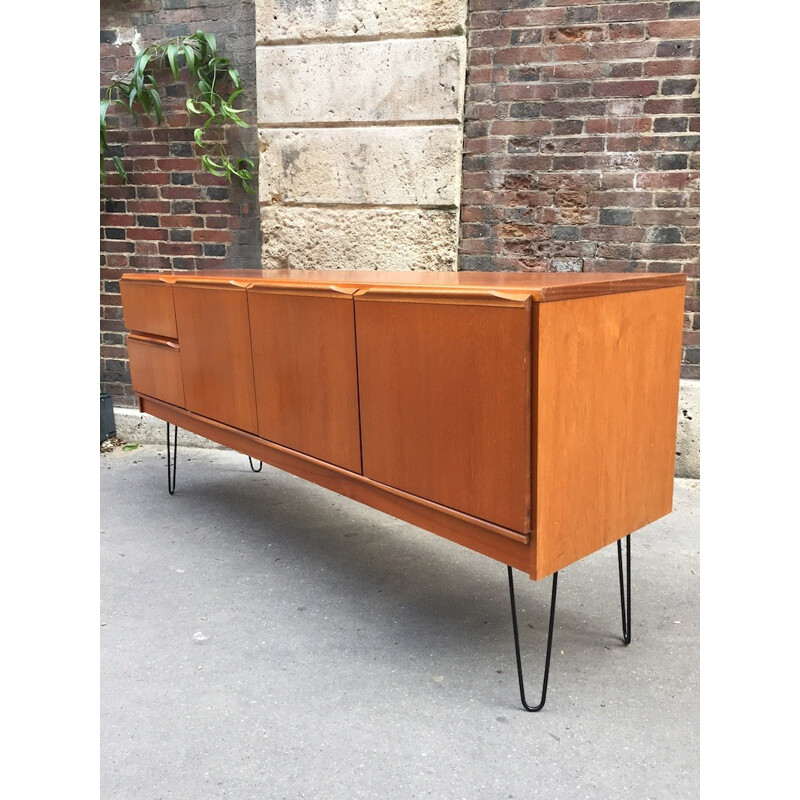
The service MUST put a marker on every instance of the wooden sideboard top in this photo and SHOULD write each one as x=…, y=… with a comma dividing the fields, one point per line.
x=541, y=286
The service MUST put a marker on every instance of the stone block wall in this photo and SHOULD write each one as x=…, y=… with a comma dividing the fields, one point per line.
x=360, y=108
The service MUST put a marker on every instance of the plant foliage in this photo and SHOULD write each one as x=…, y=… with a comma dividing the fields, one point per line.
x=138, y=88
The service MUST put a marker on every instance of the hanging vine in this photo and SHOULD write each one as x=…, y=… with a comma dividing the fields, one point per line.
x=138, y=87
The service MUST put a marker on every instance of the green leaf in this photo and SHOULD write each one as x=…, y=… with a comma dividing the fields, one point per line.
x=234, y=74
x=172, y=52
x=234, y=96
x=120, y=168
x=156, y=100
x=212, y=167
x=127, y=447
x=198, y=137
x=144, y=100
x=139, y=67
x=212, y=43
x=192, y=108
x=104, y=104
x=188, y=54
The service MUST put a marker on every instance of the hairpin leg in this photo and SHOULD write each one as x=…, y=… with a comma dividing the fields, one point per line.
x=172, y=459
x=260, y=464
x=625, y=603
x=540, y=705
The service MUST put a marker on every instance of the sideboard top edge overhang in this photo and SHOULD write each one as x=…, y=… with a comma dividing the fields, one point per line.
x=542, y=286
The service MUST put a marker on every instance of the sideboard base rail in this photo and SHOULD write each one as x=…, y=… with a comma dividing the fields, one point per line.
x=625, y=601
x=505, y=546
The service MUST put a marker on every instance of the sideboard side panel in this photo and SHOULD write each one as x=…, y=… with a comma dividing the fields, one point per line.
x=606, y=416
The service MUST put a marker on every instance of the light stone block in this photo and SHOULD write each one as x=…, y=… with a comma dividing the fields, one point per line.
x=414, y=80
x=375, y=166
x=296, y=20
x=358, y=238
x=687, y=451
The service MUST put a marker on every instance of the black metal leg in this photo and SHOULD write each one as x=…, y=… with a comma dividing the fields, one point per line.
x=625, y=603
x=540, y=705
x=260, y=464
x=172, y=459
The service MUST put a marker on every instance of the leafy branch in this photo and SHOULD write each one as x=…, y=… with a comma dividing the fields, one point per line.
x=138, y=87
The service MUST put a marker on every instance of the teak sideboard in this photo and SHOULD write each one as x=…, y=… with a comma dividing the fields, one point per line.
x=528, y=416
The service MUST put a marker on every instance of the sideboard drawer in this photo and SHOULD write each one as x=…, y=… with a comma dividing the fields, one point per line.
x=148, y=307
x=156, y=368
x=445, y=392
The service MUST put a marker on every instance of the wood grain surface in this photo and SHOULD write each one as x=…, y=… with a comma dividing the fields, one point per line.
x=606, y=407
x=148, y=308
x=156, y=368
x=214, y=333
x=541, y=286
x=444, y=385
x=304, y=361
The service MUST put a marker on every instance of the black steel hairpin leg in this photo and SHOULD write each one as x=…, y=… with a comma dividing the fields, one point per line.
x=260, y=464
x=172, y=459
x=625, y=603
x=540, y=705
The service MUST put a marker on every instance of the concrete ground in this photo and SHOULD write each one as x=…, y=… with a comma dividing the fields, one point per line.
x=265, y=638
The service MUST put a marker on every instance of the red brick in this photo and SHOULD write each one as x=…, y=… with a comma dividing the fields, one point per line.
x=180, y=249
x=675, y=29
x=221, y=235
x=180, y=221
x=625, y=88
x=625, y=31
x=625, y=12
x=672, y=66
x=152, y=234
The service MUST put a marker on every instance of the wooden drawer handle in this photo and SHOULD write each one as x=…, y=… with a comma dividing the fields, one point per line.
x=137, y=337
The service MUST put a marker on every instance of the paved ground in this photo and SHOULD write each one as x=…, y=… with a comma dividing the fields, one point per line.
x=265, y=638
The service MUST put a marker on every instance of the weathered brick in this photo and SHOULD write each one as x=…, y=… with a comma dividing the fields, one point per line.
x=681, y=9
x=670, y=124
x=616, y=216
x=668, y=161
x=678, y=86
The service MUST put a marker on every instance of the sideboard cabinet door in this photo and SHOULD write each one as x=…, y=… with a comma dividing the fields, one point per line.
x=304, y=360
x=214, y=335
x=445, y=388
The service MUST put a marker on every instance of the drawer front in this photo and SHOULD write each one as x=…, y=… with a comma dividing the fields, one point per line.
x=148, y=307
x=304, y=362
x=156, y=369
x=444, y=385
x=214, y=333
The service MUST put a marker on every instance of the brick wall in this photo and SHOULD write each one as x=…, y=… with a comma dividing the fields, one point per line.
x=172, y=214
x=581, y=141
